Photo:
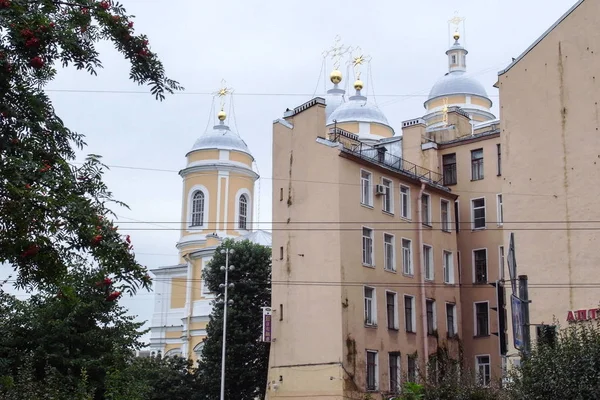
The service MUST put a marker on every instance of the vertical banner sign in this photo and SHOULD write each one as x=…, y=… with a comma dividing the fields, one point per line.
x=517, y=321
x=267, y=315
x=512, y=264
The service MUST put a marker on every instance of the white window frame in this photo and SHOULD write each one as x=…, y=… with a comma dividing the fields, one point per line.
x=429, y=272
x=405, y=198
x=204, y=290
x=489, y=366
x=372, y=255
x=501, y=261
x=445, y=268
x=428, y=214
x=448, y=221
x=391, y=195
x=434, y=316
x=198, y=350
x=475, y=318
x=487, y=265
x=413, y=315
x=396, y=316
x=387, y=267
x=369, y=181
x=473, y=213
x=499, y=209
x=238, y=196
x=454, y=320
x=373, y=304
x=190, y=198
x=411, y=267
x=376, y=370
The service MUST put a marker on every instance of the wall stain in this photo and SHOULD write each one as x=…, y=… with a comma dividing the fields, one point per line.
x=563, y=124
x=289, y=201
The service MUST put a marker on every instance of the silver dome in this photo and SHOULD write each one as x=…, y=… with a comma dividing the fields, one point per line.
x=335, y=98
x=221, y=137
x=357, y=109
x=457, y=82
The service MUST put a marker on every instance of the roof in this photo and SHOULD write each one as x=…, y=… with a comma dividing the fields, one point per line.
x=538, y=40
x=457, y=82
x=259, y=236
x=221, y=137
x=358, y=109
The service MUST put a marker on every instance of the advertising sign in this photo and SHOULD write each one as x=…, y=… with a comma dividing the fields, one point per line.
x=517, y=321
x=267, y=315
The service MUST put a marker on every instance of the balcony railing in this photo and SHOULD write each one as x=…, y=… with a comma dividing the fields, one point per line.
x=379, y=155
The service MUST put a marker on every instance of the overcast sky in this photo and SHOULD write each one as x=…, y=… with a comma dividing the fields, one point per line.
x=270, y=52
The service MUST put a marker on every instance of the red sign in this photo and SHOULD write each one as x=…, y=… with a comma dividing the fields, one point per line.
x=267, y=314
x=583, y=315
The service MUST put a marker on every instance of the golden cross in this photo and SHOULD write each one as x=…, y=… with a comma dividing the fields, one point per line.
x=359, y=60
x=224, y=91
x=337, y=51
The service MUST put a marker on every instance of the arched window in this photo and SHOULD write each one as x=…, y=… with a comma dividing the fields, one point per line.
x=198, y=350
x=173, y=353
x=197, y=209
x=243, y=212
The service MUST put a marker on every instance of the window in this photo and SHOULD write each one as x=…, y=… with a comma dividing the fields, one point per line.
x=448, y=267
x=173, y=353
x=428, y=261
x=409, y=313
x=478, y=213
x=481, y=319
x=482, y=366
x=457, y=215
x=500, y=211
x=203, y=285
x=391, y=305
x=449, y=169
x=198, y=350
x=281, y=252
x=411, y=374
x=367, y=246
x=198, y=208
x=407, y=267
x=370, y=306
x=394, y=363
x=477, y=164
x=453, y=58
x=280, y=194
x=366, y=192
x=501, y=262
x=426, y=201
x=499, y=156
x=243, y=212
x=389, y=252
x=445, y=205
x=430, y=308
x=372, y=370
x=405, y=202
x=388, y=197
x=451, y=319
x=480, y=265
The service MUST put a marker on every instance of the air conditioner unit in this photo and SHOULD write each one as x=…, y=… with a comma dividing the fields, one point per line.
x=380, y=189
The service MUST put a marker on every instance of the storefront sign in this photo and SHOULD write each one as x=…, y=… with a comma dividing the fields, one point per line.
x=583, y=315
x=267, y=314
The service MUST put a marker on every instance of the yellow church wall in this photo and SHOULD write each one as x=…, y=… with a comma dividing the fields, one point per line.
x=381, y=130
x=203, y=155
x=240, y=157
x=198, y=325
x=170, y=347
x=197, y=283
x=478, y=101
x=178, y=286
x=451, y=100
x=173, y=334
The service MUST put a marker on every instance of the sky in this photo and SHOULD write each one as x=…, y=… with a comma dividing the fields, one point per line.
x=271, y=53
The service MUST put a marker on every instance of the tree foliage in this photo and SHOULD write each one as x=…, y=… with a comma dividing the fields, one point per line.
x=247, y=357
x=52, y=213
x=66, y=337
x=565, y=368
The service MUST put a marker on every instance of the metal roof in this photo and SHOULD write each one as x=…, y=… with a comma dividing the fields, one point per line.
x=221, y=137
x=457, y=82
x=358, y=109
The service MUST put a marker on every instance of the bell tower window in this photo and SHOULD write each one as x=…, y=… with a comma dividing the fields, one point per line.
x=243, y=205
x=197, y=209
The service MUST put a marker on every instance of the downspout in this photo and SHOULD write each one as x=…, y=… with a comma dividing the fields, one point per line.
x=422, y=279
x=190, y=302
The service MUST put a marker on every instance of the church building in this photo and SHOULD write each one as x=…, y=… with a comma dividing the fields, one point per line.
x=217, y=203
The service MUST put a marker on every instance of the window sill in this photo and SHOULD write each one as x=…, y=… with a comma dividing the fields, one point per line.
x=391, y=271
x=450, y=284
x=371, y=326
x=390, y=213
x=447, y=230
x=500, y=225
x=367, y=206
x=481, y=336
x=407, y=219
x=430, y=280
x=426, y=225
x=498, y=174
x=408, y=275
x=394, y=329
x=369, y=266
x=451, y=184
x=412, y=332
x=480, y=283
x=478, y=229
x=475, y=180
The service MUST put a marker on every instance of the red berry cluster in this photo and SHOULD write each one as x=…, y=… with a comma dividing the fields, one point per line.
x=46, y=167
x=30, y=251
x=4, y=3
x=96, y=240
x=105, y=5
x=106, y=283
x=33, y=40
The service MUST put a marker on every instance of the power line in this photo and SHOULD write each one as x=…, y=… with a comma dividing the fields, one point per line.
x=387, y=229
x=359, y=222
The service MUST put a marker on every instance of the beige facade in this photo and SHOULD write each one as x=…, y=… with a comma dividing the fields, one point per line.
x=361, y=292
x=549, y=119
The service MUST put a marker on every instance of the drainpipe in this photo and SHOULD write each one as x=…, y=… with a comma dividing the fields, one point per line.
x=190, y=302
x=422, y=279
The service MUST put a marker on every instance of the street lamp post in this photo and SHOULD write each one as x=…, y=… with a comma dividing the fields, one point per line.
x=226, y=285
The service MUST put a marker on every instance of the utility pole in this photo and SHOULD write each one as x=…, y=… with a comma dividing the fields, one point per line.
x=226, y=285
x=524, y=296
